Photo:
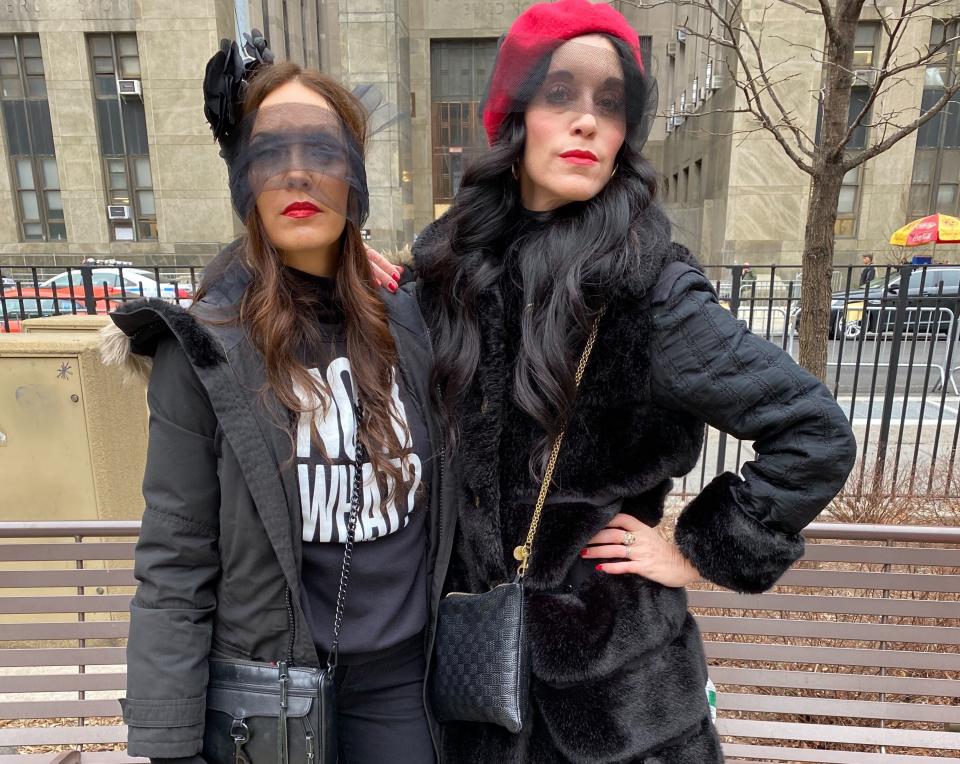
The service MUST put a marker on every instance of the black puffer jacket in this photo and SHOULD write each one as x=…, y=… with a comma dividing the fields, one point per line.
x=618, y=664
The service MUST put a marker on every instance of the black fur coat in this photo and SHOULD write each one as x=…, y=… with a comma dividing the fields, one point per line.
x=618, y=664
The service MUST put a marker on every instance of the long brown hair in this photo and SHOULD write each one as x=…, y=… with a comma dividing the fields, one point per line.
x=278, y=319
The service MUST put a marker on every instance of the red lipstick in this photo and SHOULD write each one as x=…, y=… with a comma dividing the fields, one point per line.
x=301, y=210
x=579, y=156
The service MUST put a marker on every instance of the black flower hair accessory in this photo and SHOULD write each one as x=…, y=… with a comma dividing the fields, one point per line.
x=225, y=82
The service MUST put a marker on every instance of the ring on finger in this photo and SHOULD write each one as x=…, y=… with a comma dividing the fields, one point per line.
x=629, y=539
x=627, y=548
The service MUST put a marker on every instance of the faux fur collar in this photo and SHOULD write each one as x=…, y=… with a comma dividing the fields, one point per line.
x=130, y=340
x=649, y=238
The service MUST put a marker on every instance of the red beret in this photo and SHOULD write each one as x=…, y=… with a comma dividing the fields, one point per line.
x=537, y=31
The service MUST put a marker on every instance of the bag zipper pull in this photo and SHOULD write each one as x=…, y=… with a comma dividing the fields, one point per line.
x=240, y=734
x=310, y=752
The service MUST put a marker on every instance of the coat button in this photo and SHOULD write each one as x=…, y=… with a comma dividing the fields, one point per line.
x=568, y=588
x=476, y=501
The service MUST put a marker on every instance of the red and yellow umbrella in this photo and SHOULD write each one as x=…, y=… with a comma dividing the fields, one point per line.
x=933, y=229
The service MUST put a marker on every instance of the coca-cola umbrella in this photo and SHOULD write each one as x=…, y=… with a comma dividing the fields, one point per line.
x=933, y=229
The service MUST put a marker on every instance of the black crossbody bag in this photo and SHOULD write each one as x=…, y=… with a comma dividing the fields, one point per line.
x=481, y=667
x=266, y=713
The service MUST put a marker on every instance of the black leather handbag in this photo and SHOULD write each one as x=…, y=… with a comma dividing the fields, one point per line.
x=266, y=713
x=481, y=668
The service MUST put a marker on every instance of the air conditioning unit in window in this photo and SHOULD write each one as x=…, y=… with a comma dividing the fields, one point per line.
x=119, y=212
x=672, y=49
x=682, y=33
x=129, y=87
x=864, y=77
x=718, y=79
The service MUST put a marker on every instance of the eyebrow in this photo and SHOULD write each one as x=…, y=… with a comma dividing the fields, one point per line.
x=563, y=74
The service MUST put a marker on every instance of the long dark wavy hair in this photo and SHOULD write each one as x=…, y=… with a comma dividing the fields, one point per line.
x=587, y=249
x=277, y=316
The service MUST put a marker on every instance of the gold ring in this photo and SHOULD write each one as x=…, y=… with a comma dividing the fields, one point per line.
x=626, y=550
x=629, y=539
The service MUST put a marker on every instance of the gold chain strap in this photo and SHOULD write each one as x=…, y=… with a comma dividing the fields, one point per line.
x=522, y=553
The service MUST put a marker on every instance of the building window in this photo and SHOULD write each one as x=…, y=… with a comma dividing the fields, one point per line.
x=122, y=130
x=646, y=52
x=265, y=11
x=674, y=187
x=848, y=206
x=686, y=184
x=26, y=120
x=936, y=163
x=286, y=30
x=460, y=70
x=865, y=45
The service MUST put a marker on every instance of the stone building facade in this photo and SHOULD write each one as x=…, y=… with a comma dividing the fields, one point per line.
x=104, y=151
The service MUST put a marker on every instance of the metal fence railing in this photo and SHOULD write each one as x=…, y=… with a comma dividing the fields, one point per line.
x=32, y=292
x=892, y=358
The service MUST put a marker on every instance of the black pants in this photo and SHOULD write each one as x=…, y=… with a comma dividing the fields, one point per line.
x=380, y=715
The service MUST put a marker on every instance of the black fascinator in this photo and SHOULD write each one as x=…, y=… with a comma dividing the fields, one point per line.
x=225, y=80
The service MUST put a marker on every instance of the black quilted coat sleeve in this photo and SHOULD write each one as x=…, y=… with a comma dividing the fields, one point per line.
x=743, y=533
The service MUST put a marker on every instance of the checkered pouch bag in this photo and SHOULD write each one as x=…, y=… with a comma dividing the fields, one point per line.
x=481, y=668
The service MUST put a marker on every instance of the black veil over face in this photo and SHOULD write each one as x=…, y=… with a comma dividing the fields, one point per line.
x=302, y=148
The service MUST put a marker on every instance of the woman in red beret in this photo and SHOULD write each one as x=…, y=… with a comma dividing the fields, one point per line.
x=554, y=236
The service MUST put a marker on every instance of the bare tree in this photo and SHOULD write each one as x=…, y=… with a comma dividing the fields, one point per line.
x=825, y=154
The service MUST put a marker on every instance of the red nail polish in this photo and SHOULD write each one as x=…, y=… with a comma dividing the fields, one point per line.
x=599, y=567
x=583, y=552
x=392, y=287
x=395, y=277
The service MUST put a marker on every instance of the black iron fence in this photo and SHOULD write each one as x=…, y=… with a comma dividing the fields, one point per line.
x=892, y=357
x=33, y=292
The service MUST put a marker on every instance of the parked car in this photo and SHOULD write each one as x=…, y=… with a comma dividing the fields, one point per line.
x=130, y=283
x=932, y=303
x=34, y=304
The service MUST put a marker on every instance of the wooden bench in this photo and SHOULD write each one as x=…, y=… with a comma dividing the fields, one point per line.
x=852, y=658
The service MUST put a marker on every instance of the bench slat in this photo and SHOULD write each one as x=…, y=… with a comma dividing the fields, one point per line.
x=63, y=656
x=834, y=656
x=860, y=632
x=847, y=579
x=860, y=709
x=79, y=603
x=829, y=680
x=894, y=555
x=811, y=603
x=30, y=579
x=94, y=550
x=86, y=757
x=11, y=632
x=62, y=735
x=57, y=709
x=768, y=752
x=62, y=682
x=830, y=733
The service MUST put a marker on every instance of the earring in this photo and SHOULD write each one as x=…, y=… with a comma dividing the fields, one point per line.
x=515, y=169
x=615, y=168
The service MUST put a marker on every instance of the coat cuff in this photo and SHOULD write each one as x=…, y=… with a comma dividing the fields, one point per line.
x=729, y=546
x=164, y=729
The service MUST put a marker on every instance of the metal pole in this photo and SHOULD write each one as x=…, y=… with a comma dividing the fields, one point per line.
x=89, y=298
x=890, y=389
x=736, y=279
